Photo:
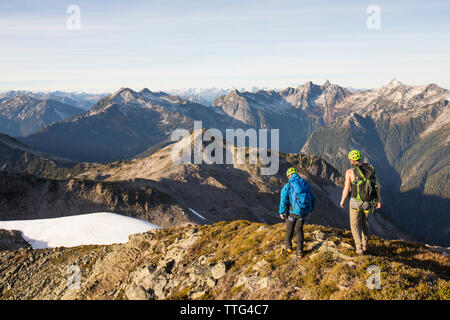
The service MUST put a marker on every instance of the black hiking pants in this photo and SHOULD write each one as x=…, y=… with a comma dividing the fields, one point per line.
x=294, y=222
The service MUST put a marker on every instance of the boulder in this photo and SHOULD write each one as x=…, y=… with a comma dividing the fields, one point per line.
x=198, y=295
x=135, y=292
x=261, y=266
x=319, y=235
x=346, y=245
x=219, y=270
x=211, y=282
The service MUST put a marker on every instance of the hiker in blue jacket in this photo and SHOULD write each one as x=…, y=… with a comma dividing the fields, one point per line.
x=297, y=201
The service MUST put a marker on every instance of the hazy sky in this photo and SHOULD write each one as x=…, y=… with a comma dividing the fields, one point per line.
x=174, y=44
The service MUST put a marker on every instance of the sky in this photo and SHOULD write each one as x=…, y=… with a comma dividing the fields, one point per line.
x=173, y=44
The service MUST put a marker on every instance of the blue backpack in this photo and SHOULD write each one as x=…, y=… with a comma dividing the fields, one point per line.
x=302, y=197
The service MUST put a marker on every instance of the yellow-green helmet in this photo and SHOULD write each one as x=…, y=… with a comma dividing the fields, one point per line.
x=290, y=171
x=354, y=155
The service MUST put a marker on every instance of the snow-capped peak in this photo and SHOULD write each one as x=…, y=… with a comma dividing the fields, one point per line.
x=125, y=95
x=393, y=84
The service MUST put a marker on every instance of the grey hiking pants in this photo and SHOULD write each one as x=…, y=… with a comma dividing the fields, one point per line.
x=359, y=224
x=294, y=222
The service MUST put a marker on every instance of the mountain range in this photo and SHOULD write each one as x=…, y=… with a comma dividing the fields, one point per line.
x=133, y=122
x=21, y=115
x=297, y=112
x=24, y=112
x=124, y=124
x=403, y=130
x=80, y=100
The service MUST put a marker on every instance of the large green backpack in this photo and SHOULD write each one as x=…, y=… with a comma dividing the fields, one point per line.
x=364, y=187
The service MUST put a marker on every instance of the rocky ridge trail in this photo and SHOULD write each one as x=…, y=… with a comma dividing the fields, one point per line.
x=227, y=260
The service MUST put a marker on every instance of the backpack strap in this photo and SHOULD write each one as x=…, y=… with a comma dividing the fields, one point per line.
x=291, y=206
x=292, y=192
x=372, y=176
x=358, y=173
x=359, y=179
x=361, y=174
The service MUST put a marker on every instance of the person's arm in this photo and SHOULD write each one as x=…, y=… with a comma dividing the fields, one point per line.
x=284, y=201
x=347, y=186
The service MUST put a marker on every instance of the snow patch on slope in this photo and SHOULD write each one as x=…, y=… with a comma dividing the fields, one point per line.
x=101, y=228
x=197, y=214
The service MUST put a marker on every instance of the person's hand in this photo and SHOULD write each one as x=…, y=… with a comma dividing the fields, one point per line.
x=282, y=216
x=342, y=204
x=378, y=205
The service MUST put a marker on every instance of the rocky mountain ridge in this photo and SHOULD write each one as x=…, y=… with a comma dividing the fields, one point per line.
x=123, y=125
x=227, y=260
x=394, y=96
x=17, y=157
x=82, y=100
x=26, y=197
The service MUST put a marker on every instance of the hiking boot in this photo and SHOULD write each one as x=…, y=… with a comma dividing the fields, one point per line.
x=300, y=254
x=286, y=249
